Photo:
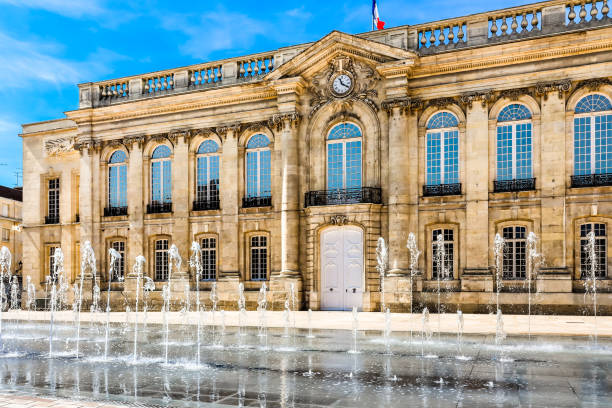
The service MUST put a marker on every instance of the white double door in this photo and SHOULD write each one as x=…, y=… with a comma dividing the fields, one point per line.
x=342, y=276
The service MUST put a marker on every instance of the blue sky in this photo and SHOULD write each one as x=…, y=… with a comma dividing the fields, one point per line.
x=48, y=46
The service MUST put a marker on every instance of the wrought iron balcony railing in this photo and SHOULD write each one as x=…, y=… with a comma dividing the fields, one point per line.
x=52, y=219
x=159, y=208
x=371, y=195
x=252, y=202
x=115, y=211
x=204, y=204
x=441, y=190
x=592, y=180
x=503, y=186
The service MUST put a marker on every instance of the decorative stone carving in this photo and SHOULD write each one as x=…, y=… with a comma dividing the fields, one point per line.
x=56, y=147
x=339, y=220
x=343, y=115
x=161, y=138
x=515, y=94
x=279, y=120
x=204, y=132
x=224, y=130
x=134, y=139
x=483, y=96
x=544, y=88
x=256, y=126
x=364, y=76
x=175, y=134
x=404, y=105
x=441, y=103
x=594, y=84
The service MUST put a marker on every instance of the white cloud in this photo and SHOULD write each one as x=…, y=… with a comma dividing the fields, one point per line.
x=30, y=64
x=69, y=8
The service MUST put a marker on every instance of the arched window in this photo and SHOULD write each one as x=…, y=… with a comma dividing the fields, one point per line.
x=117, y=183
x=344, y=157
x=514, y=143
x=593, y=136
x=207, y=178
x=161, y=177
x=515, y=253
x=258, y=167
x=442, y=149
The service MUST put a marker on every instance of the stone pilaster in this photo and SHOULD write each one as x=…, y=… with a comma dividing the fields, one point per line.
x=135, y=196
x=180, y=196
x=476, y=189
x=552, y=179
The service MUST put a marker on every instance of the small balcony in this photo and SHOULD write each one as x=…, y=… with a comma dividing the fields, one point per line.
x=369, y=195
x=115, y=211
x=52, y=219
x=206, y=204
x=253, y=202
x=159, y=208
x=505, y=186
x=441, y=190
x=592, y=180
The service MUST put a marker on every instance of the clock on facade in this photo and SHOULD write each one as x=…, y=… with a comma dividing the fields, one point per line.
x=342, y=84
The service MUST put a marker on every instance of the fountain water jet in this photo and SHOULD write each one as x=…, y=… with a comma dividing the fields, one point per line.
x=355, y=328
x=414, y=262
x=498, y=250
x=58, y=267
x=15, y=294
x=310, y=335
x=590, y=249
x=166, y=297
x=262, y=304
x=460, y=334
x=114, y=258
x=440, y=259
x=5, y=270
x=500, y=334
x=195, y=261
x=88, y=260
x=137, y=269
x=533, y=261
x=387, y=331
x=147, y=288
x=382, y=258
x=241, y=309
x=425, y=333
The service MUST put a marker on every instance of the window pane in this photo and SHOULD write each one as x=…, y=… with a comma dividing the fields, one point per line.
x=335, y=162
x=448, y=257
x=209, y=259
x=265, y=186
x=504, y=152
x=259, y=258
x=603, y=144
x=582, y=146
x=601, y=256
x=434, y=174
x=451, y=157
x=167, y=197
x=156, y=187
x=523, y=151
x=353, y=164
x=252, y=186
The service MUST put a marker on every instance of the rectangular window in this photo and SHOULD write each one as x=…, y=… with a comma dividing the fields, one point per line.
x=601, y=256
x=515, y=254
x=119, y=274
x=443, y=263
x=51, y=261
x=523, y=151
x=161, y=259
x=53, y=198
x=434, y=149
x=5, y=234
x=259, y=257
x=207, y=188
x=209, y=258
x=5, y=210
x=603, y=144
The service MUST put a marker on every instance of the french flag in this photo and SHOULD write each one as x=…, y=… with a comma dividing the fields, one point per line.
x=376, y=21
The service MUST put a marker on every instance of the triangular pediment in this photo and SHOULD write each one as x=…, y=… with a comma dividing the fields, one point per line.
x=316, y=57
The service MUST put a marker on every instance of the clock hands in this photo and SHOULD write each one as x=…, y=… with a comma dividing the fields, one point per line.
x=342, y=82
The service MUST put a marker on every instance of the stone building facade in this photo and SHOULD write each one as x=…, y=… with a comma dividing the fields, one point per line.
x=10, y=225
x=288, y=166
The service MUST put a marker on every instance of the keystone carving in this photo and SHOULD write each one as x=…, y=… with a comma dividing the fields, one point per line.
x=514, y=94
x=441, y=103
x=339, y=220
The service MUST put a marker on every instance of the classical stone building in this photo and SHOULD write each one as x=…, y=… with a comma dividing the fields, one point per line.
x=10, y=224
x=287, y=166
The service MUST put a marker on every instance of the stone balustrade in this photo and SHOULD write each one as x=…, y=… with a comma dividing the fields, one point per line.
x=477, y=30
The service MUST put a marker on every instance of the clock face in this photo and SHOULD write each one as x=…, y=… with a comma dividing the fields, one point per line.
x=342, y=84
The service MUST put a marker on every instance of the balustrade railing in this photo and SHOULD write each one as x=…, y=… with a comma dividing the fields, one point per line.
x=116, y=90
x=482, y=29
x=515, y=23
x=370, y=195
x=115, y=211
x=441, y=189
x=592, y=180
x=585, y=12
x=156, y=84
x=251, y=68
x=504, y=186
x=207, y=75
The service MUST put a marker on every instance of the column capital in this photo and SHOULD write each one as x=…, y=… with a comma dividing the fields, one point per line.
x=483, y=96
x=544, y=88
x=229, y=130
x=131, y=140
x=286, y=120
x=397, y=105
